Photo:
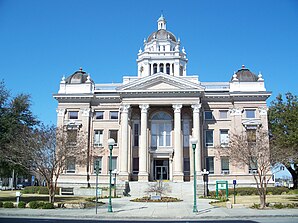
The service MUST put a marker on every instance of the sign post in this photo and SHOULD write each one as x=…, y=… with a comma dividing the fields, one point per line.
x=222, y=185
x=18, y=195
x=234, y=183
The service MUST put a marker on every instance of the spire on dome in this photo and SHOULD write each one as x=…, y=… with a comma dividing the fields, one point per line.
x=161, y=22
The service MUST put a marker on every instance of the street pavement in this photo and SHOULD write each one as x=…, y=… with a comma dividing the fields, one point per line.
x=123, y=208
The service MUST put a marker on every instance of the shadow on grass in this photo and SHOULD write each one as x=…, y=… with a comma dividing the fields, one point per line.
x=294, y=199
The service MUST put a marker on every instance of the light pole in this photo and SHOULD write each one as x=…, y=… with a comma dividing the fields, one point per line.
x=205, y=179
x=194, y=142
x=111, y=143
x=115, y=172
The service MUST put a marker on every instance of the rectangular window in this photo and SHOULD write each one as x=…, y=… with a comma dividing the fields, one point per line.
x=250, y=113
x=161, y=134
x=114, y=135
x=135, y=165
x=97, y=162
x=186, y=133
x=186, y=165
x=223, y=114
x=71, y=137
x=208, y=115
x=98, y=137
x=224, y=137
x=114, y=163
x=114, y=115
x=70, y=165
x=251, y=135
x=225, y=165
x=136, y=134
x=73, y=115
x=99, y=115
x=208, y=138
x=210, y=164
x=253, y=167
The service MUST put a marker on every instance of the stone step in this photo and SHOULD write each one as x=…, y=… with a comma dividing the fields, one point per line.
x=179, y=190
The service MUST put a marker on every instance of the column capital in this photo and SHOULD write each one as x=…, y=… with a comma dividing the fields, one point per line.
x=61, y=111
x=263, y=110
x=144, y=108
x=85, y=112
x=124, y=108
x=196, y=107
x=177, y=107
x=236, y=111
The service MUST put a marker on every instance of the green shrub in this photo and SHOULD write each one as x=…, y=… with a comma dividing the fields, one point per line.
x=8, y=204
x=43, y=190
x=1, y=204
x=290, y=206
x=22, y=204
x=47, y=205
x=277, y=190
x=278, y=206
x=256, y=206
x=293, y=191
x=34, y=204
x=31, y=190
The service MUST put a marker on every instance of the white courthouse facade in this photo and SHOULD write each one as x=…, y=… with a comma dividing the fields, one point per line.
x=153, y=115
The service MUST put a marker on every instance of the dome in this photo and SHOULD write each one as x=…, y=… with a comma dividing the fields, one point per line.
x=245, y=75
x=162, y=34
x=79, y=77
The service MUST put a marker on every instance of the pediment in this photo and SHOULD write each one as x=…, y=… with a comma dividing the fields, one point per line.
x=251, y=123
x=161, y=82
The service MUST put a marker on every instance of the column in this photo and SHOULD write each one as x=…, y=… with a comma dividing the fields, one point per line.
x=178, y=149
x=196, y=132
x=124, y=142
x=143, y=151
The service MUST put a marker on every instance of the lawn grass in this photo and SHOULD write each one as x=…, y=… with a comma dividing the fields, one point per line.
x=11, y=196
x=254, y=199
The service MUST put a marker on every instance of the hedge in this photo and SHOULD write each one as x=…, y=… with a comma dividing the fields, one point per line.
x=41, y=204
x=242, y=191
x=47, y=205
x=8, y=204
x=1, y=204
x=38, y=190
x=22, y=204
x=34, y=204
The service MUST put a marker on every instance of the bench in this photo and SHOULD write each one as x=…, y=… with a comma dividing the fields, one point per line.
x=66, y=191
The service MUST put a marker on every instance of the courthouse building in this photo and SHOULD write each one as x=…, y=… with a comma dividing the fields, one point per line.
x=152, y=116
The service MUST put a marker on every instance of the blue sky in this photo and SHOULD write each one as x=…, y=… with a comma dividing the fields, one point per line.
x=41, y=41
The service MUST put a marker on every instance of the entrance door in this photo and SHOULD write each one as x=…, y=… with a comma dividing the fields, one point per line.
x=161, y=169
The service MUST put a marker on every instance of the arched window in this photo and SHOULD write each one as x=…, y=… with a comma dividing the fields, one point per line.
x=161, y=127
x=168, y=68
x=181, y=70
x=154, y=68
x=161, y=67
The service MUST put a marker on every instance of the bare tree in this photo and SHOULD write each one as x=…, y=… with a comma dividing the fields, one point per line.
x=54, y=150
x=251, y=148
x=158, y=188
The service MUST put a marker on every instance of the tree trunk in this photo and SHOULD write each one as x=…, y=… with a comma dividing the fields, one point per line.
x=262, y=200
x=51, y=193
x=294, y=174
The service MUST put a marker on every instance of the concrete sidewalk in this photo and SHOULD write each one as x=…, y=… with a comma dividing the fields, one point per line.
x=123, y=208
